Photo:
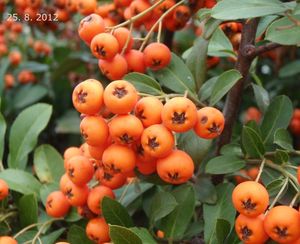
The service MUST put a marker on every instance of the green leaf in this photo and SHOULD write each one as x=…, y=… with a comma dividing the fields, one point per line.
x=144, y=83
x=4, y=64
x=28, y=210
x=28, y=94
x=195, y=146
x=48, y=163
x=219, y=45
x=2, y=135
x=281, y=157
x=274, y=187
x=278, y=115
x=177, y=77
x=52, y=237
x=269, y=175
x=25, y=131
x=223, y=209
x=144, y=235
x=210, y=27
x=21, y=181
x=73, y=216
x=77, y=235
x=68, y=123
x=205, y=190
x=224, y=83
x=244, y=9
x=222, y=230
x=232, y=149
x=33, y=66
x=46, y=189
x=252, y=143
x=261, y=97
x=159, y=208
x=263, y=24
x=115, y=214
x=283, y=139
x=196, y=60
x=290, y=69
x=175, y=224
x=284, y=31
x=122, y=235
x=132, y=192
x=224, y=164
x=206, y=89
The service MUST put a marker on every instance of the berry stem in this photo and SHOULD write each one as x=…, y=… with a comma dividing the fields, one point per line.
x=136, y=17
x=261, y=168
x=128, y=39
x=147, y=37
x=1, y=166
x=6, y=216
x=279, y=194
x=126, y=190
x=159, y=31
x=294, y=199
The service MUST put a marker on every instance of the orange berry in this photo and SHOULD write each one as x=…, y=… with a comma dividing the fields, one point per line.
x=113, y=181
x=104, y=46
x=57, y=204
x=7, y=240
x=135, y=61
x=97, y=230
x=114, y=69
x=122, y=34
x=96, y=196
x=157, y=56
x=4, y=189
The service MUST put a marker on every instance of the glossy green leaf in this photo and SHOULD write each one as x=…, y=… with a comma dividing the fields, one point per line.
x=48, y=163
x=224, y=83
x=284, y=31
x=196, y=60
x=290, y=69
x=77, y=235
x=21, y=181
x=4, y=64
x=252, y=143
x=283, y=139
x=219, y=45
x=195, y=146
x=277, y=116
x=205, y=190
x=175, y=224
x=224, y=164
x=68, y=123
x=35, y=67
x=122, y=235
x=206, y=89
x=244, y=9
x=53, y=236
x=28, y=94
x=2, y=135
x=281, y=157
x=144, y=83
x=114, y=213
x=28, y=210
x=263, y=24
x=261, y=96
x=177, y=77
x=221, y=210
x=222, y=230
x=274, y=187
x=25, y=131
x=144, y=235
x=159, y=208
x=232, y=149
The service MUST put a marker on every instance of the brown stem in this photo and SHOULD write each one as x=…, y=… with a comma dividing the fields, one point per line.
x=254, y=52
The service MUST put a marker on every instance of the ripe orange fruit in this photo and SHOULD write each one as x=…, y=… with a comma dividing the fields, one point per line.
x=120, y=97
x=96, y=196
x=71, y=152
x=85, y=212
x=9, y=81
x=138, y=6
x=15, y=57
x=94, y=130
x=148, y=110
x=97, y=230
x=282, y=224
x=146, y=168
x=7, y=240
x=164, y=7
x=87, y=97
x=104, y=46
x=86, y=7
x=90, y=26
x=76, y=195
x=135, y=61
x=118, y=159
x=250, y=198
x=160, y=234
x=4, y=190
x=157, y=141
x=125, y=135
x=298, y=174
x=80, y=170
x=176, y=168
x=182, y=14
x=57, y=204
x=113, y=181
x=115, y=68
x=157, y=56
x=122, y=34
x=179, y=114
x=251, y=230
x=210, y=123
x=96, y=152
